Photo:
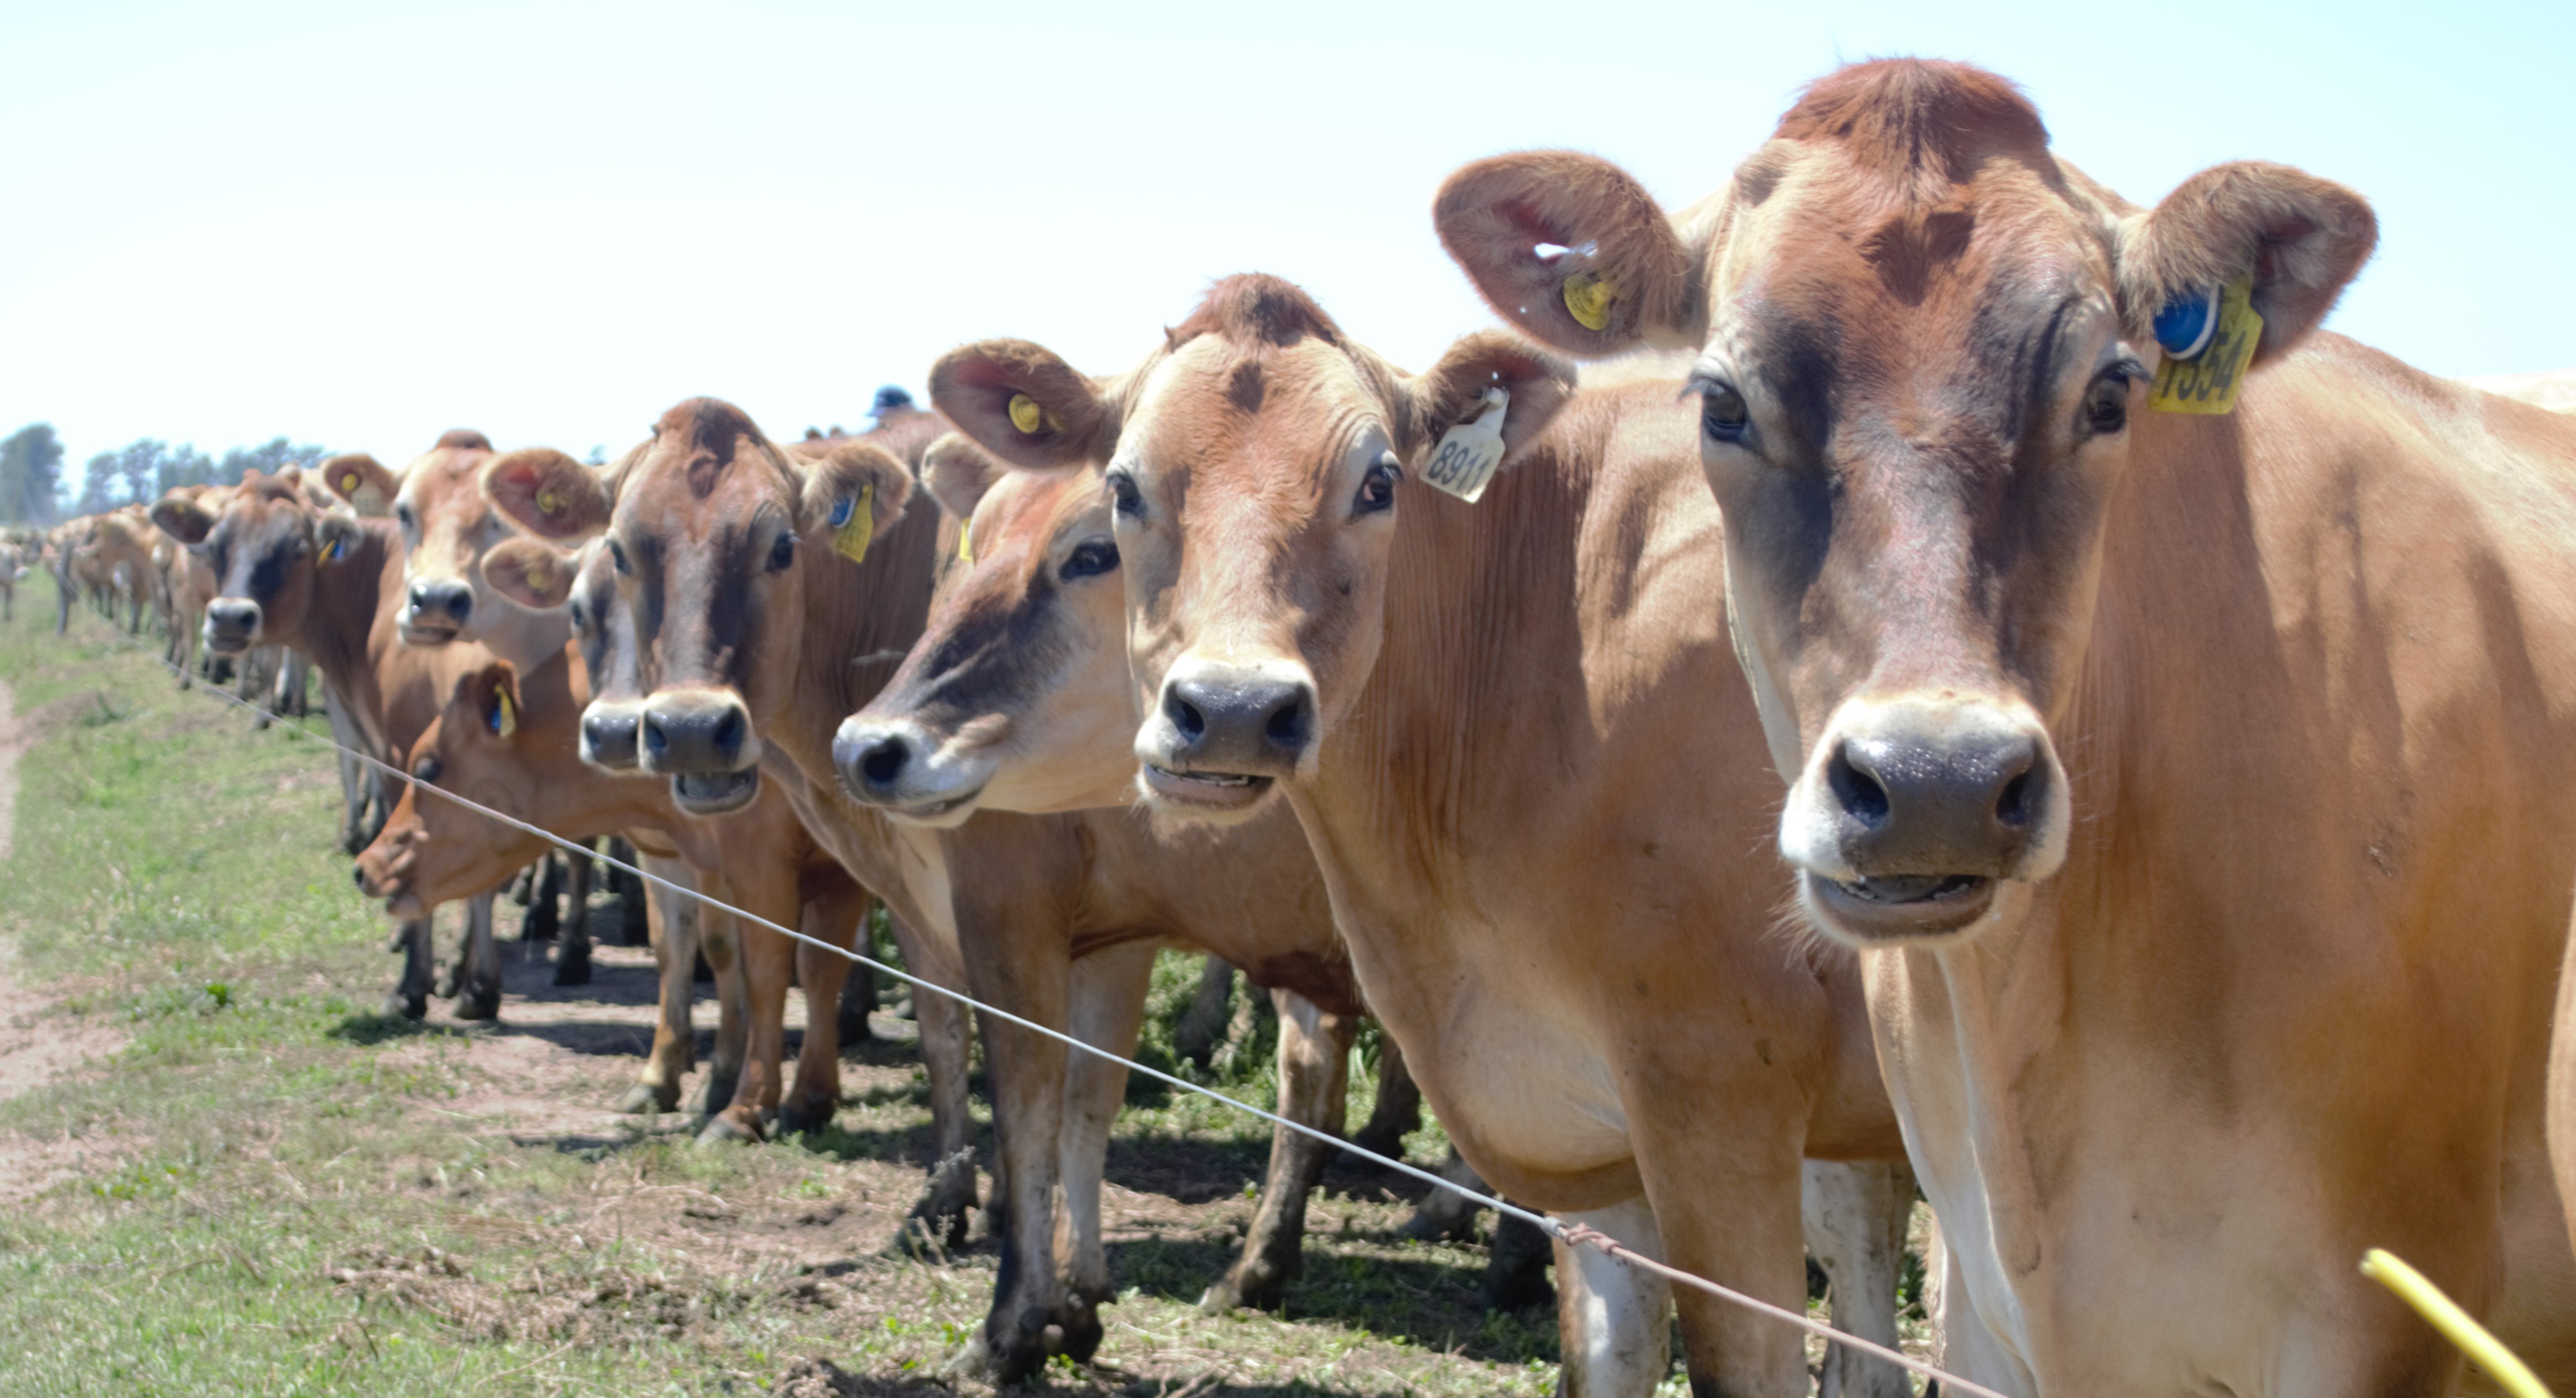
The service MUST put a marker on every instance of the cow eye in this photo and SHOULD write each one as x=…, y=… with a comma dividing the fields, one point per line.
x=578, y=622
x=1089, y=559
x=403, y=516
x=782, y=552
x=1723, y=414
x=1124, y=495
x=2106, y=405
x=617, y=556
x=425, y=770
x=1377, y=488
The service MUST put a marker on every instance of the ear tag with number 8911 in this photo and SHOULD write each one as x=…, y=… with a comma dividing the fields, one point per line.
x=1465, y=459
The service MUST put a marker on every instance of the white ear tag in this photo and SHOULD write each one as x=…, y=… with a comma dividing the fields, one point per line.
x=1466, y=457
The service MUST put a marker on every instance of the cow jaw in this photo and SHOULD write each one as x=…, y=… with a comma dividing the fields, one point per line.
x=715, y=793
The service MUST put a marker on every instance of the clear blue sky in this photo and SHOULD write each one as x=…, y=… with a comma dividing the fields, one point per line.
x=363, y=224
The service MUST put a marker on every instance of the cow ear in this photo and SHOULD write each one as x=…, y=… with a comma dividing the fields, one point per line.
x=182, y=519
x=854, y=495
x=1451, y=393
x=532, y=573
x=958, y=472
x=1571, y=249
x=1023, y=404
x=490, y=696
x=2299, y=238
x=361, y=480
x=548, y=494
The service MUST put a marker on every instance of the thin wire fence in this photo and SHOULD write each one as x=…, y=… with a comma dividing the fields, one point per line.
x=1570, y=1235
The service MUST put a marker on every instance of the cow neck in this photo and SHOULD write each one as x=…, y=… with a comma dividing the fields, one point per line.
x=525, y=638
x=854, y=611
x=1481, y=651
x=352, y=618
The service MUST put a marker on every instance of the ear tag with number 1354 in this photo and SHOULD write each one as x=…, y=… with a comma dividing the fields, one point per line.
x=1465, y=459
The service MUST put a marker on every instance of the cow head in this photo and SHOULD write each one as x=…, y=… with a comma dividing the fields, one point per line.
x=1924, y=350
x=583, y=585
x=432, y=850
x=447, y=527
x=1255, y=468
x=1016, y=695
x=710, y=532
x=267, y=548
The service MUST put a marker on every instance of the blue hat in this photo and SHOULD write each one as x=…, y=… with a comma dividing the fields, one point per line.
x=889, y=398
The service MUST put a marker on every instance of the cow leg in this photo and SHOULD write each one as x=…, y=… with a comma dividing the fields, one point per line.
x=572, y=959
x=1443, y=1216
x=410, y=995
x=1203, y=1024
x=835, y=917
x=944, y=1062
x=251, y=682
x=1026, y=1074
x=720, y=947
x=673, y=929
x=634, y=921
x=1314, y=1089
x=478, y=972
x=1105, y=995
x=1726, y=1204
x=1399, y=1104
x=858, y=994
x=768, y=960
x=356, y=780
x=1616, y=1320
x=545, y=884
x=1855, y=1222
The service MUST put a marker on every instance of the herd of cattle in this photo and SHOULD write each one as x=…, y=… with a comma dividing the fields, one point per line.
x=2014, y=714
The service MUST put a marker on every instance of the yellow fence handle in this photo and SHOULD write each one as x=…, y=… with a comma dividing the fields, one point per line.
x=2483, y=1349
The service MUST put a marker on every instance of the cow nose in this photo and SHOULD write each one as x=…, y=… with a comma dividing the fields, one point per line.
x=442, y=599
x=1946, y=803
x=1246, y=721
x=231, y=622
x=690, y=733
x=608, y=737
x=873, y=761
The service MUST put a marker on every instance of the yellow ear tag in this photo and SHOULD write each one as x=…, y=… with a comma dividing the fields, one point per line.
x=1025, y=414
x=1588, y=296
x=549, y=503
x=853, y=522
x=966, y=541
x=331, y=551
x=541, y=576
x=2207, y=383
x=505, y=715
x=349, y=483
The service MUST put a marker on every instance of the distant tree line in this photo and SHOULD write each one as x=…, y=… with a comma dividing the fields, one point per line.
x=32, y=484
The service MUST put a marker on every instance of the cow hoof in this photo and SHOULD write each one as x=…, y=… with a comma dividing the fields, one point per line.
x=573, y=970
x=794, y=1119
x=1252, y=1282
x=721, y=1128
x=1082, y=1332
x=1001, y=1365
x=406, y=1006
x=445, y=986
x=645, y=1099
x=479, y=1003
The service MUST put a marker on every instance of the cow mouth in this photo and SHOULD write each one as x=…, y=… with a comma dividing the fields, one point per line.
x=403, y=905
x=418, y=634
x=227, y=645
x=715, y=793
x=1899, y=907
x=937, y=812
x=1212, y=791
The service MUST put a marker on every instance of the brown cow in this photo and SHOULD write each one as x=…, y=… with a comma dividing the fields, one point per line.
x=294, y=576
x=2198, y=784
x=1492, y=722
x=760, y=648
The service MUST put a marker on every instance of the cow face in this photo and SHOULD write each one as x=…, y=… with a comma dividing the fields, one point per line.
x=447, y=527
x=540, y=577
x=1924, y=350
x=432, y=850
x=266, y=550
x=709, y=533
x=1016, y=696
x=1255, y=469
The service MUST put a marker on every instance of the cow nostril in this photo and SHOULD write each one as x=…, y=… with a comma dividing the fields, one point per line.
x=884, y=761
x=1859, y=793
x=2013, y=806
x=460, y=605
x=656, y=741
x=728, y=731
x=358, y=875
x=1186, y=717
x=1287, y=723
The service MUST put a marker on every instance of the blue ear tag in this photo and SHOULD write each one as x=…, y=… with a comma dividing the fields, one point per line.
x=841, y=511
x=2183, y=327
